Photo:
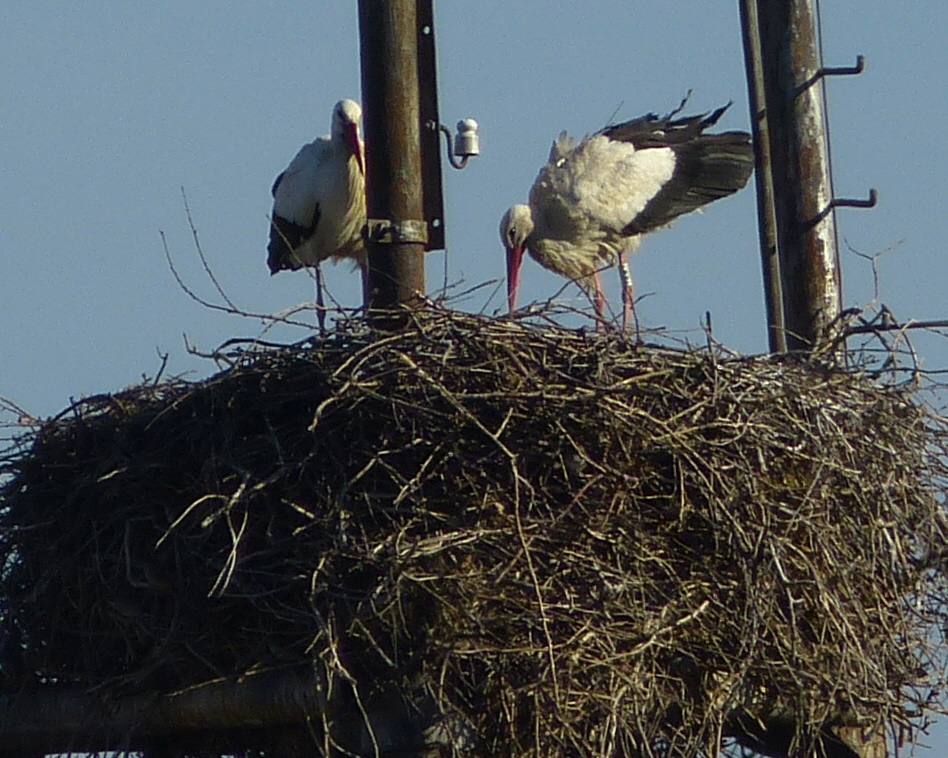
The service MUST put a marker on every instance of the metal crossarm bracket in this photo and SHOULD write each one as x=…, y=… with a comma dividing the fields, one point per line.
x=387, y=232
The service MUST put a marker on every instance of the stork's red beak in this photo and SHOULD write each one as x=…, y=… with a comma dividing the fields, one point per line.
x=514, y=261
x=352, y=141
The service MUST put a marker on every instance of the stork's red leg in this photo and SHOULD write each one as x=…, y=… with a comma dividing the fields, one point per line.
x=600, y=302
x=628, y=294
x=320, y=303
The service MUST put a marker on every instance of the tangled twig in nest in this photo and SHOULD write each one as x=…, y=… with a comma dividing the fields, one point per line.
x=555, y=543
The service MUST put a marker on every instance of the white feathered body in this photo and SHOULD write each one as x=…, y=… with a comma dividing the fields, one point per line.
x=594, y=199
x=319, y=200
x=583, y=198
x=324, y=178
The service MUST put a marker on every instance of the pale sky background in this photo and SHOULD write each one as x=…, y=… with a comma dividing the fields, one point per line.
x=107, y=109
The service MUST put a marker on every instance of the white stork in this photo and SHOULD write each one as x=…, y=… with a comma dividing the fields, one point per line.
x=592, y=202
x=319, y=201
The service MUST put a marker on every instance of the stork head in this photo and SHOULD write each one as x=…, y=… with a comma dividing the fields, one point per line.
x=346, y=120
x=515, y=227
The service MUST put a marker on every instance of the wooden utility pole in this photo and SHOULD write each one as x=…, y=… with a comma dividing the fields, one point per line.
x=396, y=229
x=795, y=135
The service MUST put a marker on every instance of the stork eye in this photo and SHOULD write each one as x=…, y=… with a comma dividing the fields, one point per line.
x=512, y=235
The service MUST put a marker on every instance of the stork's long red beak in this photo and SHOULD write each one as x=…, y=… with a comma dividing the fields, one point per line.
x=352, y=142
x=514, y=261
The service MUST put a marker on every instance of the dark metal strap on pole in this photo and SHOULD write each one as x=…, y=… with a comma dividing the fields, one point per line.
x=388, y=34
x=432, y=190
x=766, y=218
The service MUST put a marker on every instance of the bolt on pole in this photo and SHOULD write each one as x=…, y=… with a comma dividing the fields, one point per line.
x=396, y=230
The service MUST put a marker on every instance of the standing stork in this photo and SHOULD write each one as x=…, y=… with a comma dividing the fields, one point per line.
x=593, y=201
x=319, y=202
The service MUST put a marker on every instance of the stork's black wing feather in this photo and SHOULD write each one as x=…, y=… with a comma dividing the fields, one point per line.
x=707, y=166
x=285, y=237
x=662, y=131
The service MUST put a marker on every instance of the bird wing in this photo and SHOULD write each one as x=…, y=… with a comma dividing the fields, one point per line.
x=662, y=131
x=296, y=204
x=297, y=191
x=705, y=167
x=601, y=184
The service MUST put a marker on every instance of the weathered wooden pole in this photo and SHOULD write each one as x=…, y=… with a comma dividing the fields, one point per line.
x=396, y=229
x=796, y=121
x=57, y=719
x=766, y=216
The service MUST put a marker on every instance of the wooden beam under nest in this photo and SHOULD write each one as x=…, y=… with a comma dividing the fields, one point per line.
x=54, y=719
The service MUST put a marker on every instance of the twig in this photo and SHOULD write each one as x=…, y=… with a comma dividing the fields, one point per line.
x=200, y=252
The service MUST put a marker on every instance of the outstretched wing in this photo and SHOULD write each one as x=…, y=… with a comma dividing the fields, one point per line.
x=705, y=167
x=662, y=131
x=603, y=183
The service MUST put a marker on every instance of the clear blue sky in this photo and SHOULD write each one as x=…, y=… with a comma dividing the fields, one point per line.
x=108, y=108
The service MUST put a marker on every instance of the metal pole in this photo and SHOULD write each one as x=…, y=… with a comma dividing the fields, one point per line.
x=806, y=236
x=766, y=218
x=396, y=229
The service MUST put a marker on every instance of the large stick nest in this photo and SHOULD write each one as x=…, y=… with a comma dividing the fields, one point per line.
x=563, y=543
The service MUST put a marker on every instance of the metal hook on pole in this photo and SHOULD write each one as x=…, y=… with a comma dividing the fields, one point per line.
x=844, y=70
x=845, y=202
